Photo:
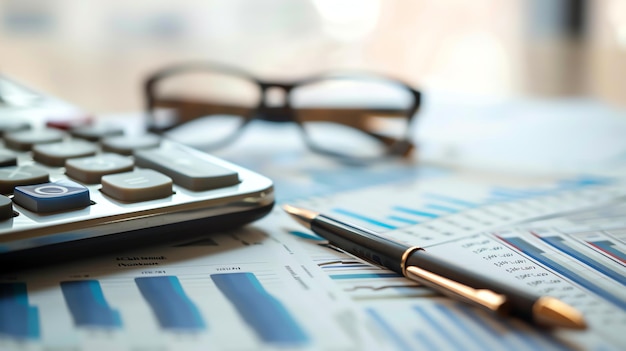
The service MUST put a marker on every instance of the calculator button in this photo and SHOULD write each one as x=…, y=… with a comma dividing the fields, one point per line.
x=6, y=208
x=186, y=169
x=61, y=195
x=90, y=169
x=12, y=125
x=55, y=154
x=13, y=176
x=139, y=185
x=96, y=132
x=7, y=158
x=126, y=145
x=25, y=140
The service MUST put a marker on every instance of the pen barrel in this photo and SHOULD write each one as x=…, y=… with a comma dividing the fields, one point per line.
x=518, y=302
x=360, y=242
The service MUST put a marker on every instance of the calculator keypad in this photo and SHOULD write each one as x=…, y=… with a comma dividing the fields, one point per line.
x=77, y=154
x=91, y=181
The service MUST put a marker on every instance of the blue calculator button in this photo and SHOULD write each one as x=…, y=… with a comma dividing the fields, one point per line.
x=62, y=195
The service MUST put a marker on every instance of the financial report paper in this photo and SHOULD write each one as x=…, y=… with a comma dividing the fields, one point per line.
x=563, y=236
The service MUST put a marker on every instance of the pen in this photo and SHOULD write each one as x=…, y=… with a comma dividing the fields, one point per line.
x=445, y=277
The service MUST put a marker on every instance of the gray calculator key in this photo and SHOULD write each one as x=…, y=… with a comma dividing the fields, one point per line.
x=91, y=169
x=25, y=140
x=13, y=176
x=186, y=169
x=7, y=158
x=6, y=208
x=96, y=132
x=55, y=154
x=126, y=145
x=139, y=185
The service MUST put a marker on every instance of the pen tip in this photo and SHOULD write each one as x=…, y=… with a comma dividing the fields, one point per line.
x=303, y=216
x=555, y=313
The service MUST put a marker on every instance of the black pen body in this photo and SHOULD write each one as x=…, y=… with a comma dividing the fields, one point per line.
x=387, y=253
x=448, y=277
x=360, y=242
x=518, y=302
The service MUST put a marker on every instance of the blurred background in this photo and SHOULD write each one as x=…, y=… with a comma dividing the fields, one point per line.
x=95, y=54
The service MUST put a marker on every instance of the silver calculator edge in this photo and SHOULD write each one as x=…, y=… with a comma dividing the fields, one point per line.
x=25, y=230
x=183, y=216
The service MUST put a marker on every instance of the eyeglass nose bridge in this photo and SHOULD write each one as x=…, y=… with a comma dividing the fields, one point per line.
x=273, y=107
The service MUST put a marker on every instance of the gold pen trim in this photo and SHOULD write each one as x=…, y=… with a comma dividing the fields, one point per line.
x=405, y=256
x=549, y=311
x=482, y=297
x=301, y=215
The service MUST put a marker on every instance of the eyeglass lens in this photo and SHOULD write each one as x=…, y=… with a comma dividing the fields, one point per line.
x=345, y=116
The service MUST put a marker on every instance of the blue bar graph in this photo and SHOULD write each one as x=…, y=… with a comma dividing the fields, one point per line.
x=403, y=220
x=459, y=323
x=170, y=303
x=415, y=212
x=364, y=218
x=17, y=318
x=584, y=181
x=500, y=334
x=86, y=302
x=452, y=200
x=400, y=343
x=437, y=207
x=265, y=314
x=513, y=193
x=609, y=248
x=538, y=255
x=424, y=340
x=560, y=244
x=308, y=236
x=439, y=328
x=508, y=332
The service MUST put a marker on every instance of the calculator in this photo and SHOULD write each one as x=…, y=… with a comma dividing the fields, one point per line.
x=76, y=186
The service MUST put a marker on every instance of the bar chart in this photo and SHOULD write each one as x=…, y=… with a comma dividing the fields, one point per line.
x=246, y=295
x=605, y=244
x=439, y=324
x=447, y=207
x=521, y=258
x=582, y=254
x=558, y=264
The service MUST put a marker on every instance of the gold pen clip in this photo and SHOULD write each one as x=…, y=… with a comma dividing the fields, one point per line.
x=482, y=297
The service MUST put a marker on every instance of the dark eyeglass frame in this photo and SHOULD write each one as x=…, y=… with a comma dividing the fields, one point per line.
x=402, y=146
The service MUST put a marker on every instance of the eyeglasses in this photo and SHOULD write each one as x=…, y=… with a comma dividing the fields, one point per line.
x=351, y=116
